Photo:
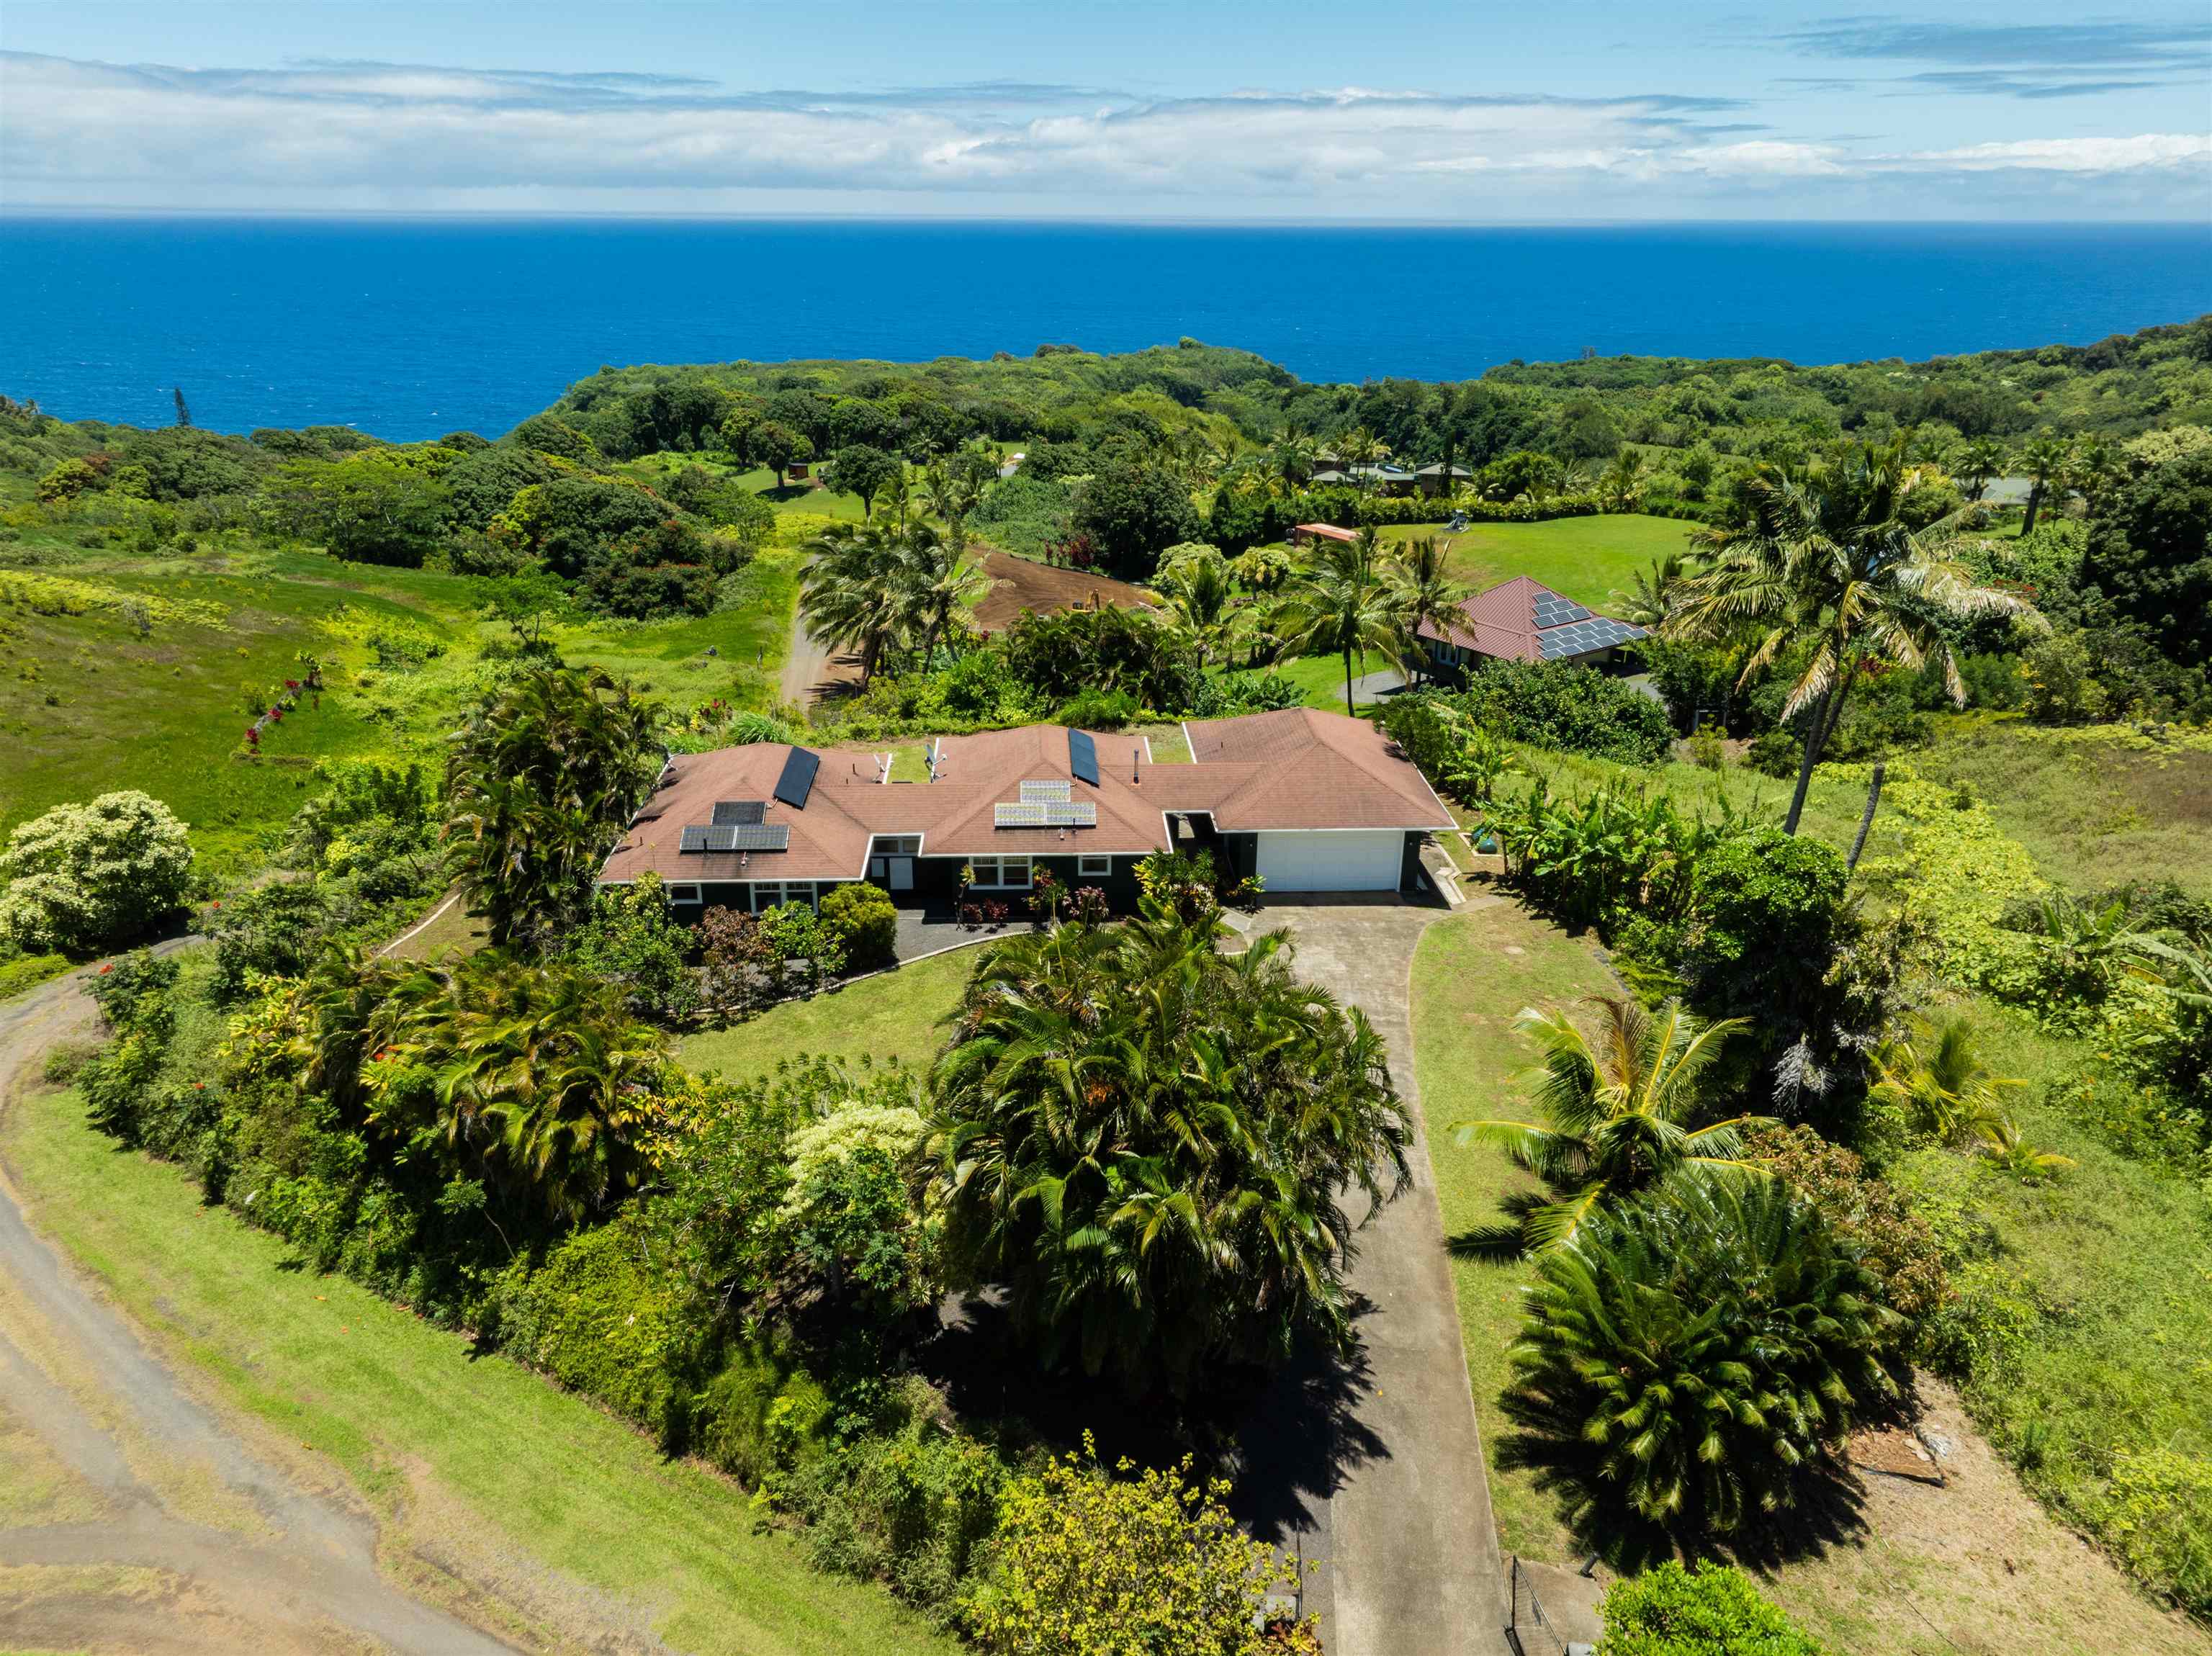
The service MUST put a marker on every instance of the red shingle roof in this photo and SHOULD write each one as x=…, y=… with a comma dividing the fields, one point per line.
x=1300, y=768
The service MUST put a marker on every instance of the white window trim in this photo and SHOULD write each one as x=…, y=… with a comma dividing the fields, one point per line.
x=999, y=883
x=1093, y=867
x=684, y=895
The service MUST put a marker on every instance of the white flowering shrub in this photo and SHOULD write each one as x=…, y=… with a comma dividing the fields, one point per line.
x=85, y=877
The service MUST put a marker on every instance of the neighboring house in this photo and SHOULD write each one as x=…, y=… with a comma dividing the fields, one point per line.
x=1309, y=801
x=1431, y=479
x=1524, y=620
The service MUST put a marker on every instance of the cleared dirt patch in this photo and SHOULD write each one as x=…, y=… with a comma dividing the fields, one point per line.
x=1020, y=584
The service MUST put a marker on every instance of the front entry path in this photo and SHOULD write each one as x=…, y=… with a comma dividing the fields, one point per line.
x=1412, y=1565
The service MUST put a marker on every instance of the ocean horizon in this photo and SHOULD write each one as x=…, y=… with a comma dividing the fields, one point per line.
x=409, y=327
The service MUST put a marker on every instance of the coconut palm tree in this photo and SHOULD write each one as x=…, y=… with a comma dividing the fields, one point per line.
x=1201, y=600
x=1984, y=459
x=1344, y=600
x=1428, y=595
x=1613, y=1105
x=1657, y=588
x=1618, y=487
x=1934, y=1074
x=855, y=591
x=1826, y=562
x=1292, y=459
x=2045, y=461
x=937, y=581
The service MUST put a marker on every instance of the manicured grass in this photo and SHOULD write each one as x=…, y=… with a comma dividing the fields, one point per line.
x=1469, y=1059
x=1586, y=559
x=893, y=1015
x=471, y=1459
x=910, y=761
x=1169, y=746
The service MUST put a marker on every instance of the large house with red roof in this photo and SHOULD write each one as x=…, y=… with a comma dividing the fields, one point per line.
x=1522, y=619
x=1308, y=801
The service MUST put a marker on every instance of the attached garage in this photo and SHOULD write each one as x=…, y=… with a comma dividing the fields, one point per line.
x=1346, y=859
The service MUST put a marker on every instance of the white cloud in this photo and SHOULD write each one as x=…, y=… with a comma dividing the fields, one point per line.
x=2144, y=151
x=338, y=136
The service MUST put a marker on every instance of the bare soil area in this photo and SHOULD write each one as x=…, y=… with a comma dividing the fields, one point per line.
x=1018, y=584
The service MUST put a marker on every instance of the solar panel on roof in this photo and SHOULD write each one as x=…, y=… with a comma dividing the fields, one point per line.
x=1060, y=813
x=1553, y=610
x=732, y=837
x=1035, y=792
x=1025, y=814
x=1580, y=637
x=735, y=813
x=798, y=779
x=1083, y=756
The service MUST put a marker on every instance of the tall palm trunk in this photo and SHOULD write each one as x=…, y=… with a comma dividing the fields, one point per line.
x=1805, y=765
x=1348, y=706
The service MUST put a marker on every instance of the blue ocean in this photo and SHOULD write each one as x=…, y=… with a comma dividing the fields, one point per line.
x=409, y=328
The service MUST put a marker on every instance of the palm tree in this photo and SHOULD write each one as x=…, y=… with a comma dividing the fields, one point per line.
x=1617, y=487
x=1146, y=1142
x=1935, y=1074
x=1343, y=601
x=1984, y=459
x=1687, y=1357
x=1293, y=457
x=1425, y=591
x=2045, y=461
x=1827, y=561
x=1360, y=447
x=1614, y=1108
x=1658, y=589
x=937, y=580
x=541, y=780
x=854, y=592
x=1201, y=601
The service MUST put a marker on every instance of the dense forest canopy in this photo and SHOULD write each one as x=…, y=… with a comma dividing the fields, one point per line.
x=2118, y=387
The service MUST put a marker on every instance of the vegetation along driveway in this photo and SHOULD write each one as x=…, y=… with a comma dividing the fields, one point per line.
x=248, y=1556
x=1404, y=1517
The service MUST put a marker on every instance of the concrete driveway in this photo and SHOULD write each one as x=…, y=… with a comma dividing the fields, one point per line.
x=1400, y=1520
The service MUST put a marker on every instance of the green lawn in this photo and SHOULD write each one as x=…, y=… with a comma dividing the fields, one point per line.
x=470, y=1459
x=893, y=1015
x=1469, y=1061
x=1586, y=559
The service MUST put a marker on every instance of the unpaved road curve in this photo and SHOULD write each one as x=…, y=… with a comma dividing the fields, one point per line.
x=306, y=1580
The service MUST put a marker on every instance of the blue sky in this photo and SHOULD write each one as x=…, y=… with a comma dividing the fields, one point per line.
x=1207, y=109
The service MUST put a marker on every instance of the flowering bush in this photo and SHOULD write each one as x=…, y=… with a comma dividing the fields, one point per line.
x=84, y=877
x=1089, y=1563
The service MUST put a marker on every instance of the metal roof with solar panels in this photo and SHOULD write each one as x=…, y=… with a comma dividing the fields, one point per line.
x=1580, y=637
x=1553, y=610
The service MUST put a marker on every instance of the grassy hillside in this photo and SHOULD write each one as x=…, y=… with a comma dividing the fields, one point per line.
x=466, y=1460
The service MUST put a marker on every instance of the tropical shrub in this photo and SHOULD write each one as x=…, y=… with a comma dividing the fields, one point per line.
x=1894, y=1243
x=87, y=877
x=1086, y=1560
x=633, y=941
x=2157, y=1511
x=1574, y=709
x=851, y=1239
x=1704, y=1609
x=542, y=778
x=864, y=922
x=598, y=1317
x=1687, y=1359
x=1194, y=1118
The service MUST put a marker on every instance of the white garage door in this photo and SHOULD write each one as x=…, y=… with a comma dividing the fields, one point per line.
x=1349, y=861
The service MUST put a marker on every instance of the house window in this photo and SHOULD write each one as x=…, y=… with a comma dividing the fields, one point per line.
x=883, y=846
x=680, y=894
x=1094, y=867
x=768, y=894
x=999, y=873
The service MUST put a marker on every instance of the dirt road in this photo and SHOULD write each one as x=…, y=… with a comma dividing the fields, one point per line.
x=166, y=1530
